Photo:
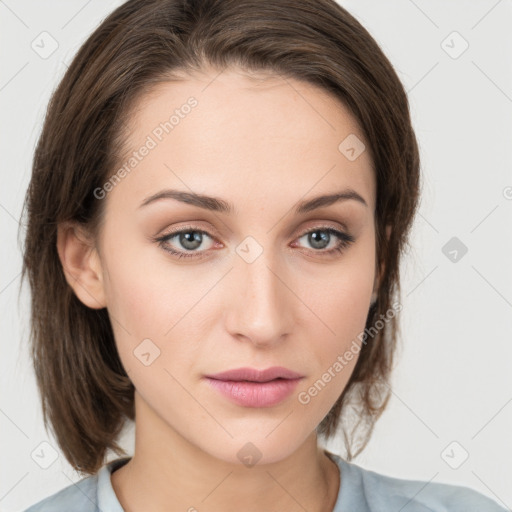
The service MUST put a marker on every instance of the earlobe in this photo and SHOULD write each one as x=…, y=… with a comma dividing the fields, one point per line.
x=81, y=264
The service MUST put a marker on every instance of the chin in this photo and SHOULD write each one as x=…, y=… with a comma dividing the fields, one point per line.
x=266, y=446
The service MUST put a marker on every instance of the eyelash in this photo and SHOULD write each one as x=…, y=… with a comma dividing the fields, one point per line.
x=344, y=241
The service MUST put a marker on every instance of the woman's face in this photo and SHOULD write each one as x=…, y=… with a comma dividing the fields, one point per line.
x=257, y=282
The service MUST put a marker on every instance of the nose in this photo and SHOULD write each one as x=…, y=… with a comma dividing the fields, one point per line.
x=262, y=302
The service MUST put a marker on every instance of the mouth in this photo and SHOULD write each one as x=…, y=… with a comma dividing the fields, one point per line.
x=249, y=387
x=255, y=375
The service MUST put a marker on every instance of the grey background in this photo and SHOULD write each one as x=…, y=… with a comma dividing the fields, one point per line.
x=453, y=382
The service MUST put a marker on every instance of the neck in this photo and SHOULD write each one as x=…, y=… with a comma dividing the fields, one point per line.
x=167, y=470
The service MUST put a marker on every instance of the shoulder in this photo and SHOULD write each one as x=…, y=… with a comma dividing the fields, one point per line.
x=371, y=491
x=80, y=496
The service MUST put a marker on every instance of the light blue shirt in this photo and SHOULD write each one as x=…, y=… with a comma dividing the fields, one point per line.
x=361, y=490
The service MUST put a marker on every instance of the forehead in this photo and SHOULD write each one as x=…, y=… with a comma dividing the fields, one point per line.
x=262, y=134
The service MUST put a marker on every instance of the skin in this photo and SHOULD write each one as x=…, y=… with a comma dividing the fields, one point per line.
x=264, y=144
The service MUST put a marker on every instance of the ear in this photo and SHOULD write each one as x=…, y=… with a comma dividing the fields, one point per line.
x=81, y=264
x=379, y=271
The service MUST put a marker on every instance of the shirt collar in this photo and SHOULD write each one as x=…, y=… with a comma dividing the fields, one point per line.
x=107, y=499
x=108, y=502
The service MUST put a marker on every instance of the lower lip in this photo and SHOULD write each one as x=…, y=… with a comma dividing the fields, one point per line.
x=255, y=394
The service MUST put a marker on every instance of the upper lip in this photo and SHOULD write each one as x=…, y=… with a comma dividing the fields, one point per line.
x=255, y=375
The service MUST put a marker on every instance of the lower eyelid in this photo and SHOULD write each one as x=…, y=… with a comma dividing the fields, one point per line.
x=344, y=240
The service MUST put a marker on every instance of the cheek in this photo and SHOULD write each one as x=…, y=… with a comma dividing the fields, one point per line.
x=345, y=303
x=344, y=309
x=166, y=319
x=153, y=324
x=340, y=302
x=341, y=298
x=156, y=308
x=146, y=293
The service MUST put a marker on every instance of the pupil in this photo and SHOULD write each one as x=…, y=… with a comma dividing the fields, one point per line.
x=191, y=242
x=318, y=241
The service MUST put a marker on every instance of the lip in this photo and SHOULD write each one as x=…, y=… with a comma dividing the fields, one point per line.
x=255, y=375
x=250, y=387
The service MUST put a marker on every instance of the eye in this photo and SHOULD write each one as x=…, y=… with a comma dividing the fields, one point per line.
x=189, y=240
x=321, y=237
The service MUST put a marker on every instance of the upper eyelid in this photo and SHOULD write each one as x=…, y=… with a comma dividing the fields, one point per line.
x=215, y=234
x=302, y=233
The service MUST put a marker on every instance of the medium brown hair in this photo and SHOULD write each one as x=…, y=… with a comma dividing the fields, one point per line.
x=85, y=392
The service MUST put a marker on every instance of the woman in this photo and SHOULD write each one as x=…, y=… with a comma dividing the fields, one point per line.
x=220, y=198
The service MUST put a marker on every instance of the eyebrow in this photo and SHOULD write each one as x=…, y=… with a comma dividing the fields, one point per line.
x=219, y=205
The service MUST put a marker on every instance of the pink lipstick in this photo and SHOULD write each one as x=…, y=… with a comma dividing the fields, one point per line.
x=250, y=387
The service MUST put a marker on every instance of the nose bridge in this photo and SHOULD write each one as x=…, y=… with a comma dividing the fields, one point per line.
x=260, y=309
